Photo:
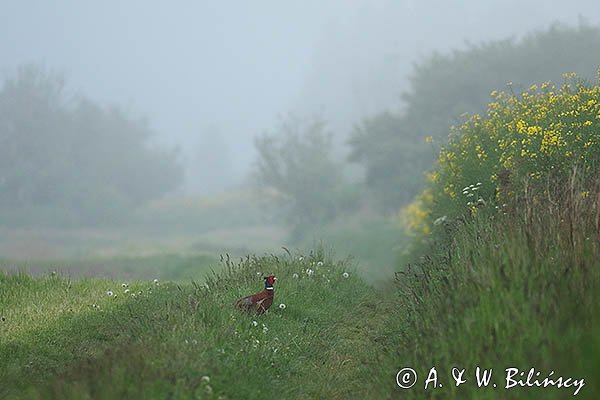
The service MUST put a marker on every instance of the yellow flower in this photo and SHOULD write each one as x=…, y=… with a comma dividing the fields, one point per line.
x=429, y=139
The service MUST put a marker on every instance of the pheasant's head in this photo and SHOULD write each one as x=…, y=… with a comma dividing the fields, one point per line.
x=269, y=281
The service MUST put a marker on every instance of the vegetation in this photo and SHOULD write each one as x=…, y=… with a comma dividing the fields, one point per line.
x=496, y=291
x=511, y=261
x=397, y=148
x=531, y=144
x=174, y=267
x=297, y=162
x=71, y=162
x=93, y=338
x=502, y=270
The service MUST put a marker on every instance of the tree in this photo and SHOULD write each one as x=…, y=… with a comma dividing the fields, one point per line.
x=297, y=162
x=72, y=160
x=392, y=146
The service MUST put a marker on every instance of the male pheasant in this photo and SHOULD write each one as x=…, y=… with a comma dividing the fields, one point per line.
x=261, y=301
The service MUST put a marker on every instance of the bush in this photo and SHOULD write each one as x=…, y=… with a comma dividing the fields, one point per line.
x=527, y=143
x=297, y=162
x=396, y=148
x=67, y=161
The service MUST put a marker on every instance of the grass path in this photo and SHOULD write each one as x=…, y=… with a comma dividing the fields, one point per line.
x=65, y=339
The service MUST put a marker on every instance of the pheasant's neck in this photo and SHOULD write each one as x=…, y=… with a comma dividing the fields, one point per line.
x=269, y=291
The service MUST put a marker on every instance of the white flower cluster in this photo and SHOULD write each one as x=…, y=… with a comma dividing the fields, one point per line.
x=471, y=191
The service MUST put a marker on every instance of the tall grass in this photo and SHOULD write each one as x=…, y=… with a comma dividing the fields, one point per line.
x=511, y=287
x=188, y=341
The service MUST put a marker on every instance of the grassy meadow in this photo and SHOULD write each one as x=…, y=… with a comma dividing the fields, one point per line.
x=499, y=267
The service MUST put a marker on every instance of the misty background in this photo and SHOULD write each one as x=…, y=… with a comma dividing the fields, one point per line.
x=214, y=87
x=215, y=74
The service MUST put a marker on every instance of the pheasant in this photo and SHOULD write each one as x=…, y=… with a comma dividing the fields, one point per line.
x=261, y=301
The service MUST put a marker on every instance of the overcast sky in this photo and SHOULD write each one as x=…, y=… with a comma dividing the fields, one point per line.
x=195, y=68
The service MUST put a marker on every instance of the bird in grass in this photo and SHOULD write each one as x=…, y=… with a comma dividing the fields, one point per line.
x=261, y=301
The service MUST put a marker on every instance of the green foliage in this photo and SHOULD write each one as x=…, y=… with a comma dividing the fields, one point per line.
x=70, y=161
x=511, y=269
x=297, y=162
x=188, y=341
x=174, y=267
x=500, y=291
x=392, y=147
x=533, y=142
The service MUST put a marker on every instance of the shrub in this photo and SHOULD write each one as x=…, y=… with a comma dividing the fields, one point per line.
x=525, y=143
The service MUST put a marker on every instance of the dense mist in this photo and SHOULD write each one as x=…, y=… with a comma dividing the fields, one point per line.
x=229, y=126
x=199, y=69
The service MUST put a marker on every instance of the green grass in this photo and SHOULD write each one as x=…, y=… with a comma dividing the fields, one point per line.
x=56, y=344
x=374, y=242
x=500, y=293
x=176, y=267
x=492, y=290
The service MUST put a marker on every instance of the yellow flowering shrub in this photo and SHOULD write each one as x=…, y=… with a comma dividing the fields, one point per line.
x=543, y=132
x=415, y=216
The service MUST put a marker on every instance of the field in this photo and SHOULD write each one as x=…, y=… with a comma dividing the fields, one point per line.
x=498, y=268
x=332, y=337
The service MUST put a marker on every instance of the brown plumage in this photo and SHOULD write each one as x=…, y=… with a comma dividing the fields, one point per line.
x=261, y=301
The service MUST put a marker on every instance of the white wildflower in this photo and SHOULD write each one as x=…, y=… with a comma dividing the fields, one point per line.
x=254, y=323
x=282, y=306
x=109, y=293
x=126, y=291
x=205, y=379
x=124, y=285
x=155, y=281
x=310, y=272
x=345, y=275
x=478, y=184
x=258, y=273
x=300, y=258
x=295, y=275
x=320, y=264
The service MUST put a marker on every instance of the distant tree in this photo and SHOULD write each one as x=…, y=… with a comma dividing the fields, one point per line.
x=297, y=161
x=392, y=146
x=79, y=162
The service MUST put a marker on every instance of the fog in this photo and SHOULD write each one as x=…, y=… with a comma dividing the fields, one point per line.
x=228, y=68
x=157, y=120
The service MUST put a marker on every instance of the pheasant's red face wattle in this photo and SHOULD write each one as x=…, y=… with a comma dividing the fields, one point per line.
x=271, y=279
